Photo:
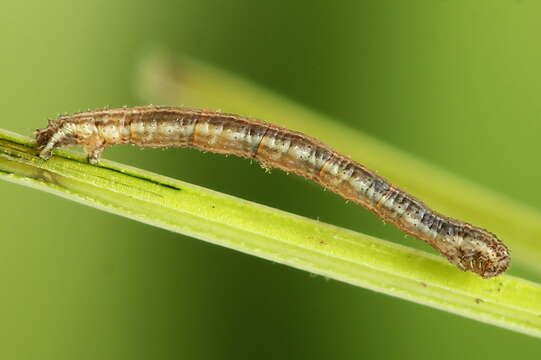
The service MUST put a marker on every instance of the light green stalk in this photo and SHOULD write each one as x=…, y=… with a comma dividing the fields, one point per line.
x=273, y=234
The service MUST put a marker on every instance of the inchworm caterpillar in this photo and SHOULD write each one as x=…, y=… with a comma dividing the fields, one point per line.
x=468, y=247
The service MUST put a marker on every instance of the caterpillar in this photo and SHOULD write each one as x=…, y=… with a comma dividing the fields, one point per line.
x=468, y=247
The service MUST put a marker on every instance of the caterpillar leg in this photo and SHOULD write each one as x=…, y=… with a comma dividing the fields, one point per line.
x=46, y=140
x=93, y=153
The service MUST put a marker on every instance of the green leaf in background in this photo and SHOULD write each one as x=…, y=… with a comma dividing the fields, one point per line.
x=191, y=82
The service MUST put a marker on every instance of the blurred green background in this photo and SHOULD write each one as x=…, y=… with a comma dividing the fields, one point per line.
x=454, y=82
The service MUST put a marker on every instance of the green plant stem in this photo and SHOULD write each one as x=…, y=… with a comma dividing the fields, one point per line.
x=272, y=234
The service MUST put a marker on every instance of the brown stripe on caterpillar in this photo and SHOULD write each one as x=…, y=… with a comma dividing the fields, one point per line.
x=468, y=247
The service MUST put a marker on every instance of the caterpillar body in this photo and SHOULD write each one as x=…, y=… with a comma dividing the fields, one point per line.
x=467, y=246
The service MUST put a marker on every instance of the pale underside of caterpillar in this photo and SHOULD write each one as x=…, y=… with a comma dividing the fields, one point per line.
x=469, y=247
